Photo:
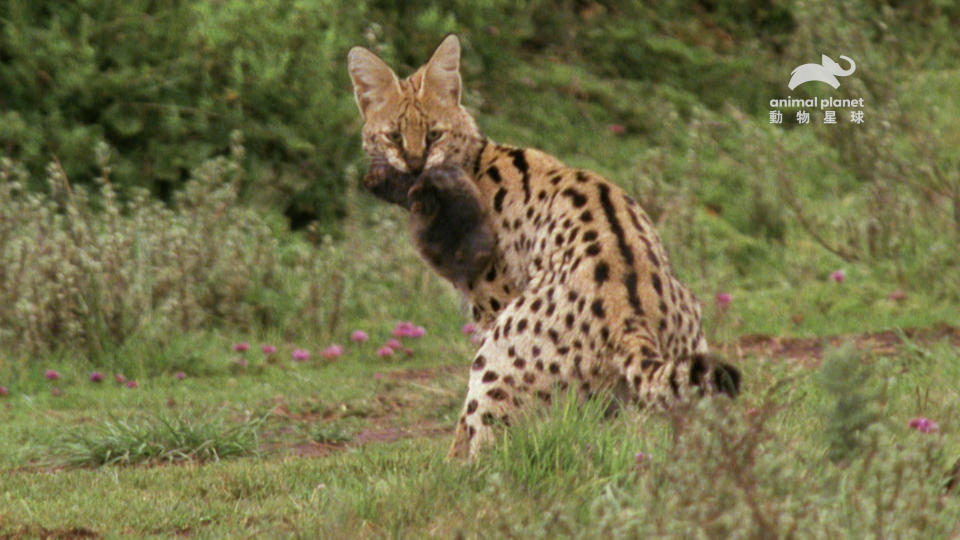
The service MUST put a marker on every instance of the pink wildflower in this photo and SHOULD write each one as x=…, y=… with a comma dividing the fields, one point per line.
x=359, y=336
x=180, y=375
x=468, y=328
x=384, y=351
x=132, y=384
x=52, y=375
x=331, y=352
x=616, y=129
x=897, y=295
x=96, y=376
x=394, y=344
x=268, y=349
x=924, y=425
x=243, y=346
x=300, y=355
x=408, y=329
x=723, y=300
x=378, y=375
x=119, y=378
x=403, y=329
x=4, y=391
x=838, y=276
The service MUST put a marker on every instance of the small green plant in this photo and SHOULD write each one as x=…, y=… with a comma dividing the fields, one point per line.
x=331, y=433
x=851, y=401
x=159, y=439
x=563, y=444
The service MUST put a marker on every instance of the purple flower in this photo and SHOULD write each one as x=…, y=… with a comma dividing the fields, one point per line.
x=132, y=384
x=403, y=329
x=243, y=346
x=384, y=351
x=96, y=376
x=331, y=352
x=268, y=349
x=924, y=425
x=359, y=336
x=301, y=355
x=468, y=328
x=408, y=329
x=723, y=300
x=4, y=391
x=394, y=344
x=52, y=375
x=838, y=276
x=180, y=375
x=897, y=295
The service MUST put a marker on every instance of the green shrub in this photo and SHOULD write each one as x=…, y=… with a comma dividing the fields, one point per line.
x=86, y=272
x=166, y=82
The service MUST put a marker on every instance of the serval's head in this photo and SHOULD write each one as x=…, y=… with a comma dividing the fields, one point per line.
x=418, y=122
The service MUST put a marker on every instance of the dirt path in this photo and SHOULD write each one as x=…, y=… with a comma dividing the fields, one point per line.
x=808, y=351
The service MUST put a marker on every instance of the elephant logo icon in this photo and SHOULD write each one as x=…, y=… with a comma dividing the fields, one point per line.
x=826, y=71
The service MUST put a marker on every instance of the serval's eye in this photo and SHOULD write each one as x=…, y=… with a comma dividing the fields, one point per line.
x=395, y=137
x=433, y=135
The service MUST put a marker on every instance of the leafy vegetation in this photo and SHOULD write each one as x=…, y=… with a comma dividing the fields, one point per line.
x=155, y=155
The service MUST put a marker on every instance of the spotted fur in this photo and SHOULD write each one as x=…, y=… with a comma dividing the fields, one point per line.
x=578, y=291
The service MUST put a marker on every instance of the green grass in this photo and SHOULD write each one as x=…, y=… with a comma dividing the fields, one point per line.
x=159, y=440
x=764, y=464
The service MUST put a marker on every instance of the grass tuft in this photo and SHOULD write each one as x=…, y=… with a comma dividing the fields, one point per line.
x=158, y=440
x=570, y=443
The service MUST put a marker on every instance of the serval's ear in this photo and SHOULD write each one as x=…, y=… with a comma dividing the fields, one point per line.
x=441, y=77
x=374, y=83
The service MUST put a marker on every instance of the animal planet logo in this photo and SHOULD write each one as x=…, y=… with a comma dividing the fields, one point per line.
x=826, y=71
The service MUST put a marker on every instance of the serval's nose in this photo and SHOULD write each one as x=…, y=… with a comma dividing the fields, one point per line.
x=415, y=163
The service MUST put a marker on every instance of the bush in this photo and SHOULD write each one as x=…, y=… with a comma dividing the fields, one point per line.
x=88, y=272
x=164, y=83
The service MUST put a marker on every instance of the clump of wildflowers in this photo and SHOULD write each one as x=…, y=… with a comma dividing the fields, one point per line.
x=332, y=352
x=408, y=329
x=924, y=425
x=300, y=355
